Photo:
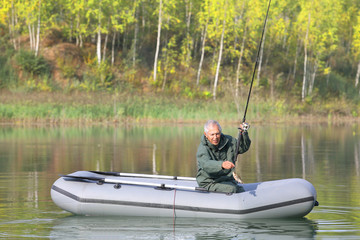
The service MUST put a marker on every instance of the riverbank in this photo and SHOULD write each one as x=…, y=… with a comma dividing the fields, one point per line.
x=105, y=108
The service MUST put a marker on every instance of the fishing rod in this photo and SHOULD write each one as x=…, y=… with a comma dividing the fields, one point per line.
x=257, y=61
x=246, y=126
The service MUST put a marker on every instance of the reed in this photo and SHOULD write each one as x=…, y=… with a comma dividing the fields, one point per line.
x=112, y=108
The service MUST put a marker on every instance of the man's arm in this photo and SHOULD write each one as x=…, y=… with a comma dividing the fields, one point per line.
x=211, y=166
x=245, y=142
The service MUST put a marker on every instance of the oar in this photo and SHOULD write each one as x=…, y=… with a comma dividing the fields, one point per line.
x=144, y=175
x=159, y=185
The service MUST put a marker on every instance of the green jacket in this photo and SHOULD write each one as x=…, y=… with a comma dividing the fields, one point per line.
x=210, y=157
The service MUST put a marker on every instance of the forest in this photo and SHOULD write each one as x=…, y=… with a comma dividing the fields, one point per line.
x=196, y=49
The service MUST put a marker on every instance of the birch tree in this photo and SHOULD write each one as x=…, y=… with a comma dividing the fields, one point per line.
x=254, y=16
x=320, y=41
x=122, y=14
x=203, y=16
x=356, y=49
x=325, y=40
x=30, y=13
x=8, y=15
x=37, y=44
x=303, y=91
x=240, y=25
x=170, y=55
x=220, y=56
x=261, y=56
x=158, y=40
x=136, y=31
x=78, y=10
x=188, y=14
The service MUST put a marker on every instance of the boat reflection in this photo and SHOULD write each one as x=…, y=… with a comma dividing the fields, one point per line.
x=82, y=227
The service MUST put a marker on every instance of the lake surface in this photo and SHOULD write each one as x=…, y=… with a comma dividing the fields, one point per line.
x=31, y=159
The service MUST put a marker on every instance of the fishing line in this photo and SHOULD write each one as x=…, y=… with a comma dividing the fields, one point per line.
x=245, y=126
x=257, y=61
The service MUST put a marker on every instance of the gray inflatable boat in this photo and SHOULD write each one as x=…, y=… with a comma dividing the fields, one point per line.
x=121, y=194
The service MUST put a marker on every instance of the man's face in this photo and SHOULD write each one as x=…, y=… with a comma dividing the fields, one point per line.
x=213, y=134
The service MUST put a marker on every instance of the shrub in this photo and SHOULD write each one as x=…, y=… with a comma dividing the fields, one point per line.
x=7, y=73
x=32, y=64
x=8, y=77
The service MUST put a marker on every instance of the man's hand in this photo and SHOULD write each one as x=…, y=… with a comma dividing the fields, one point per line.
x=227, y=165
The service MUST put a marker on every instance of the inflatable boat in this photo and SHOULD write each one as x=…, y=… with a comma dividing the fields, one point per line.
x=124, y=194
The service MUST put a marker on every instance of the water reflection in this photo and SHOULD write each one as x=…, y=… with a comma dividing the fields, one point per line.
x=167, y=228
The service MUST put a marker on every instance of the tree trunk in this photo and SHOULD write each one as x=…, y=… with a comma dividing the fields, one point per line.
x=81, y=41
x=105, y=44
x=261, y=56
x=98, y=43
x=202, y=53
x=136, y=30
x=357, y=75
x=303, y=92
x=158, y=40
x=77, y=30
x=31, y=38
x=219, y=59
x=113, y=48
x=104, y=49
x=143, y=22
x=272, y=86
x=166, y=59
x=124, y=49
x=165, y=70
x=215, y=47
x=38, y=31
x=239, y=63
x=17, y=33
x=296, y=57
x=188, y=21
x=12, y=25
x=312, y=78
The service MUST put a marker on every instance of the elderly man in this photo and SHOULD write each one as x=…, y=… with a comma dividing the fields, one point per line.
x=216, y=158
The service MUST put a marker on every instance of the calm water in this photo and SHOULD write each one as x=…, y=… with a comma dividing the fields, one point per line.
x=31, y=159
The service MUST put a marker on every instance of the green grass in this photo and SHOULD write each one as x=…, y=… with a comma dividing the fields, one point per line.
x=112, y=108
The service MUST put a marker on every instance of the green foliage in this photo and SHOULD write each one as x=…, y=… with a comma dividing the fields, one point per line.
x=67, y=67
x=8, y=77
x=96, y=77
x=32, y=64
x=42, y=85
x=335, y=86
x=329, y=29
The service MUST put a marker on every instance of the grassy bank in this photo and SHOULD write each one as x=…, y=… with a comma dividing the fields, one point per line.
x=105, y=108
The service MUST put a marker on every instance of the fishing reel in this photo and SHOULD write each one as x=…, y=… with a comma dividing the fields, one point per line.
x=245, y=126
